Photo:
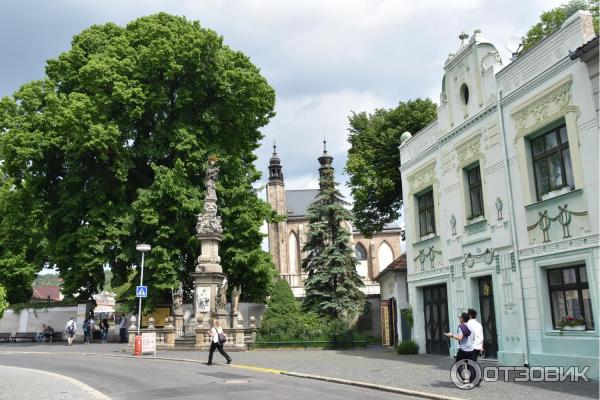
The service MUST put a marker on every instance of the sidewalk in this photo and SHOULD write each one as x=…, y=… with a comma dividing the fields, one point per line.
x=375, y=365
x=43, y=385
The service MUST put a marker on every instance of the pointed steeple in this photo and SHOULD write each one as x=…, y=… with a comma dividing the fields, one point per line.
x=275, y=174
x=325, y=160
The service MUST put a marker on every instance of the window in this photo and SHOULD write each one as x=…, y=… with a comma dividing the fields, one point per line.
x=293, y=253
x=570, y=295
x=426, y=216
x=361, y=253
x=464, y=93
x=362, y=264
x=475, y=192
x=385, y=255
x=552, y=161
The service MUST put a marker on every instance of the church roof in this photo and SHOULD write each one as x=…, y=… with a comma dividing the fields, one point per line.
x=298, y=201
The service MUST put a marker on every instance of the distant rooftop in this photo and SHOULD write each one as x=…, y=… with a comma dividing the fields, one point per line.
x=298, y=201
x=46, y=293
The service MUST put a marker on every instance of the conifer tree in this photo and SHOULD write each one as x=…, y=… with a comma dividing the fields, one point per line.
x=333, y=285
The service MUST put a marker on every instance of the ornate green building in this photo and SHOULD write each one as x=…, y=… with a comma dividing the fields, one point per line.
x=501, y=201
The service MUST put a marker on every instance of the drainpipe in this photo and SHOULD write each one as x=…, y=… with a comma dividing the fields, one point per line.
x=512, y=222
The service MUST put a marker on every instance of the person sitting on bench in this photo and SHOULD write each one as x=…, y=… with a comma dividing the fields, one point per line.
x=48, y=333
x=40, y=336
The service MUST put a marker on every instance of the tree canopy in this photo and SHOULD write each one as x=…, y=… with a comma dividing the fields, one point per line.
x=332, y=286
x=3, y=302
x=373, y=160
x=109, y=150
x=551, y=21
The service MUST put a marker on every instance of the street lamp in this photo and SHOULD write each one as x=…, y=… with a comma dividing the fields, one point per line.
x=143, y=248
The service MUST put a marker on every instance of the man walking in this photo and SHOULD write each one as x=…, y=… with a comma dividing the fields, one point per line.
x=475, y=327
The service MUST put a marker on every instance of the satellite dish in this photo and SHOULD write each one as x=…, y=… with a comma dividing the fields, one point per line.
x=513, y=44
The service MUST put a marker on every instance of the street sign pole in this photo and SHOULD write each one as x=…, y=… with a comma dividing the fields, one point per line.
x=140, y=301
x=143, y=248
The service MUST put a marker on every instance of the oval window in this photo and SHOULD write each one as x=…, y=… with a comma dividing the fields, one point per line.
x=464, y=93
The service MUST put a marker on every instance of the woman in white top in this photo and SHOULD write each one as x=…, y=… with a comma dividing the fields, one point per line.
x=216, y=343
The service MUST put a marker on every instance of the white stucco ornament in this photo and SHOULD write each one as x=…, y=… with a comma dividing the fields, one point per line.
x=405, y=136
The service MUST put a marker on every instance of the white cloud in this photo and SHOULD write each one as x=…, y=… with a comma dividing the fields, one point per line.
x=324, y=58
x=298, y=131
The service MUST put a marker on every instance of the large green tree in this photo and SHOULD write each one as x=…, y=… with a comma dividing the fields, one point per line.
x=373, y=160
x=3, y=302
x=22, y=239
x=551, y=21
x=332, y=285
x=110, y=150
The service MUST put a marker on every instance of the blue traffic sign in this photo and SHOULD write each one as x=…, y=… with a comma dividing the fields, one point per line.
x=141, y=291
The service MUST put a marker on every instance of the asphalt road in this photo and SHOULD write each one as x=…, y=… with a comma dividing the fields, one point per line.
x=145, y=379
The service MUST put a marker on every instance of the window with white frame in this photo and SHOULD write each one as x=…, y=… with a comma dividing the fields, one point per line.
x=551, y=161
x=426, y=213
x=570, y=299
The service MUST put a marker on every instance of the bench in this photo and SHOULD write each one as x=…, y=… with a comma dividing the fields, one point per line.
x=25, y=335
x=57, y=337
x=5, y=336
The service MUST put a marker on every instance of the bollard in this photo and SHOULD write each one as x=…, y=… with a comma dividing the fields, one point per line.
x=137, y=349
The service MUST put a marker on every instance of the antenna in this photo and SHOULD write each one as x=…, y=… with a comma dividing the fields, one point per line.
x=513, y=44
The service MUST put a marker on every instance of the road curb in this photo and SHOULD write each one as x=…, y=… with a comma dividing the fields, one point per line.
x=383, y=388
x=366, y=385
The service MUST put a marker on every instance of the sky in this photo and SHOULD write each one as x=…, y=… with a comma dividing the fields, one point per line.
x=325, y=59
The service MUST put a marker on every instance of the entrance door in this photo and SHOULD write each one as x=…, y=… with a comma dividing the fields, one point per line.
x=488, y=316
x=393, y=322
x=435, y=305
x=385, y=322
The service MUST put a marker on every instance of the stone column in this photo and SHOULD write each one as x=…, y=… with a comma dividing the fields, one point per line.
x=210, y=284
x=201, y=334
x=151, y=326
x=132, y=330
x=169, y=330
x=252, y=330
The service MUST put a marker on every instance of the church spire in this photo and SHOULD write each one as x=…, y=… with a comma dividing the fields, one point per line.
x=325, y=160
x=275, y=174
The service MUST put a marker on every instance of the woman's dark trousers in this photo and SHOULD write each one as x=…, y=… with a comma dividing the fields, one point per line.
x=219, y=347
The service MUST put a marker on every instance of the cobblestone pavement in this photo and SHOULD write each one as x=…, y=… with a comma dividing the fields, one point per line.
x=377, y=365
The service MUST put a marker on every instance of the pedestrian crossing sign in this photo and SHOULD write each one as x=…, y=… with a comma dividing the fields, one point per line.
x=141, y=291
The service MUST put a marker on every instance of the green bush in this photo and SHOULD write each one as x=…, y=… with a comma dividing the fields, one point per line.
x=407, y=347
x=283, y=320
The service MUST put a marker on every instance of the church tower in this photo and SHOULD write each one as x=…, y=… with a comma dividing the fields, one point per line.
x=278, y=241
x=325, y=160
